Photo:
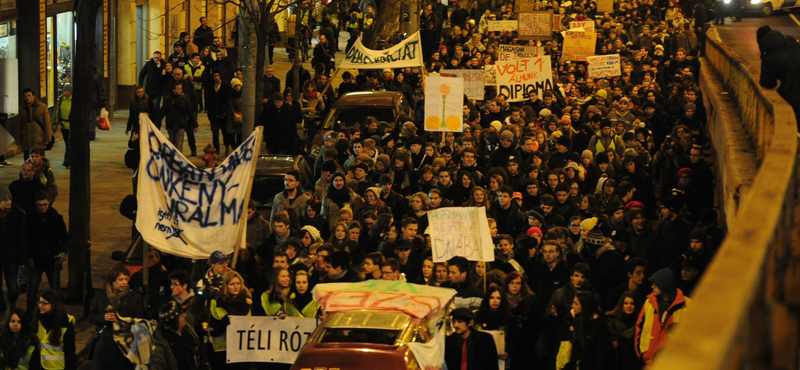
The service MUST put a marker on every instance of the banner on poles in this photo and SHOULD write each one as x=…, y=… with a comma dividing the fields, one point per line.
x=510, y=52
x=444, y=99
x=601, y=66
x=587, y=26
x=408, y=53
x=579, y=44
x=518, y=78
x=535, y=25
x=188, y=211
x=267, y=338
x=473, y=81
x=460, y=231
x=503, y=25
x=413, y=299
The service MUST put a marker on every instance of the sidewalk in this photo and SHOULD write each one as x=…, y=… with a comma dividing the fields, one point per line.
x=111, y=181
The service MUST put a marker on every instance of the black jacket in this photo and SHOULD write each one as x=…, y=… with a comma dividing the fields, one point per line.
x=47, y=237
x=481, y=351
x=107, y=354
x=150, y=77
x=13, y=239
x=203, y=37
x=178, y=111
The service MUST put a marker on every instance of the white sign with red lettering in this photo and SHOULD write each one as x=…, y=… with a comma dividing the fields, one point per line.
x=586, y=25
x=517, y=78
x=413, y=299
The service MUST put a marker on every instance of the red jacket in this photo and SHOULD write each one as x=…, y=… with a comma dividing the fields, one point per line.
x=652, y=326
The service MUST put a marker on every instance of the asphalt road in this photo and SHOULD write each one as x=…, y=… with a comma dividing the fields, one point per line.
x=741, y=36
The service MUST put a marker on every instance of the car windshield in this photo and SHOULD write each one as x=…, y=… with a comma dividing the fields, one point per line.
x=360, y=335
x=351, y=116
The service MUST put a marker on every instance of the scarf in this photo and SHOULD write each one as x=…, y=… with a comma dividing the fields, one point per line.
x=302, y=300
x=309, y=96
x=236, y=304
x=513, y=300
x=282, y=239
x=338, y=196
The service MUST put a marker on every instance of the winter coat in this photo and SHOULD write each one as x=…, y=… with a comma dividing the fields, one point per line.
x=13, y=239
x=652, y=325
x=780, y=61
x=258, y=231
x=178, y=111
x=331, y=210
x=280, y=128
x=47, y=177
x=481, y=351
x=33, y=128
x=47, y=237
x=107, y=355
x=281, y=203
x=150, y=77
x=217, y=102
x=24, y=193
x=137, y=106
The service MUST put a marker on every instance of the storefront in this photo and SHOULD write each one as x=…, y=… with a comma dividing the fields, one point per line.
x=59, y=44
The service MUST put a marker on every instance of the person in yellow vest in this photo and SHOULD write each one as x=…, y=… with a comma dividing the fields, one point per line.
x=63, y=110
x=19, y=348
x=116, y=300
x=234, y=299
x=196, y=72
x=56, y=333
x=606, y=139
x=301, y=297
x=276, y=301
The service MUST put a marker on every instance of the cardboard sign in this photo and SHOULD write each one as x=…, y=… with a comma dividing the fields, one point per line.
x=558, y=22
x=524, y=6
x=535, y=25
x=511, y=52
x=444, y=100
x=578, y=45
x=460, y=231
x=490, y=75
x=587, y=26
x=504, y=25
x=605, y=6
x=267, y=338
x=187, y=211
x=517, y=78
x=473, y=81
x=413, y=299
x=602, y=66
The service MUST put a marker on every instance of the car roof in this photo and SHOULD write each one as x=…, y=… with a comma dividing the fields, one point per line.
x=368, y=319
x=374, y=98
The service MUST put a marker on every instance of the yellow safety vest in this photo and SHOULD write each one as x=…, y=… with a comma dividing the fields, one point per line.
x=197, y=81
x=219, y=342
x=25, y=360
x=52, y=356
x=600, y=148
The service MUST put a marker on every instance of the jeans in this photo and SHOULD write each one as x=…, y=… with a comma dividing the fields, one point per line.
x=9, y=271
x=65, y=133
x=176, y=137
x=33, y=285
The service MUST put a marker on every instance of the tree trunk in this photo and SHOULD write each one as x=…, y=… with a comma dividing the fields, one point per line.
x=80, y=188
x=249, y=21
x=385, y=25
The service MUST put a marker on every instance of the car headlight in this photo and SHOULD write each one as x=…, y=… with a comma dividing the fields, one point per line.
x=755, y=2
x=728, y=1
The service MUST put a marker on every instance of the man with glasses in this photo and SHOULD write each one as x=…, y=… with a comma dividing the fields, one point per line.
x=47, y=245
x=292, y=199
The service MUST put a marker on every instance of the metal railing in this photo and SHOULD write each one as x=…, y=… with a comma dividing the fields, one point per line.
x=745, y=311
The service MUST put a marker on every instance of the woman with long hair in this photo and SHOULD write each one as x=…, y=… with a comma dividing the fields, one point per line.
x=115, y=301
x=313, y=218
x=340, y=237
x=464, y=184
x=418, y=210
x=301, y=297
x=428, y=275
x=439, y=274
x=589, y=207
x=478, y=198
x=427, y=180
x=339, y=195
x=309, y=235
x=276, y=300
x=140, y=103
x=583, y=337
x=234, y=299
x=493, y=312
x=524, y=323
x=621, y=329
x=19, y=347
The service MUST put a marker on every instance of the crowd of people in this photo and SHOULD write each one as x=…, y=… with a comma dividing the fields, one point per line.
x=598, y=192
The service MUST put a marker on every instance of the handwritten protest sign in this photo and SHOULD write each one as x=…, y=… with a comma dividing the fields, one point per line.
x=188, y=211
x=267, y=338
x=524, y=6
x=408, y=53
x=489, y=75
x=519, y=77
x=535, y=25
x=444, y=98
x=587, y=26
x=510, y=52
x=473, y=81
x=578, y=44
x=601, y=66
x=413, y=299
x=558, y=22
x=503, y=25
x=460, y=231
x=605, y=6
